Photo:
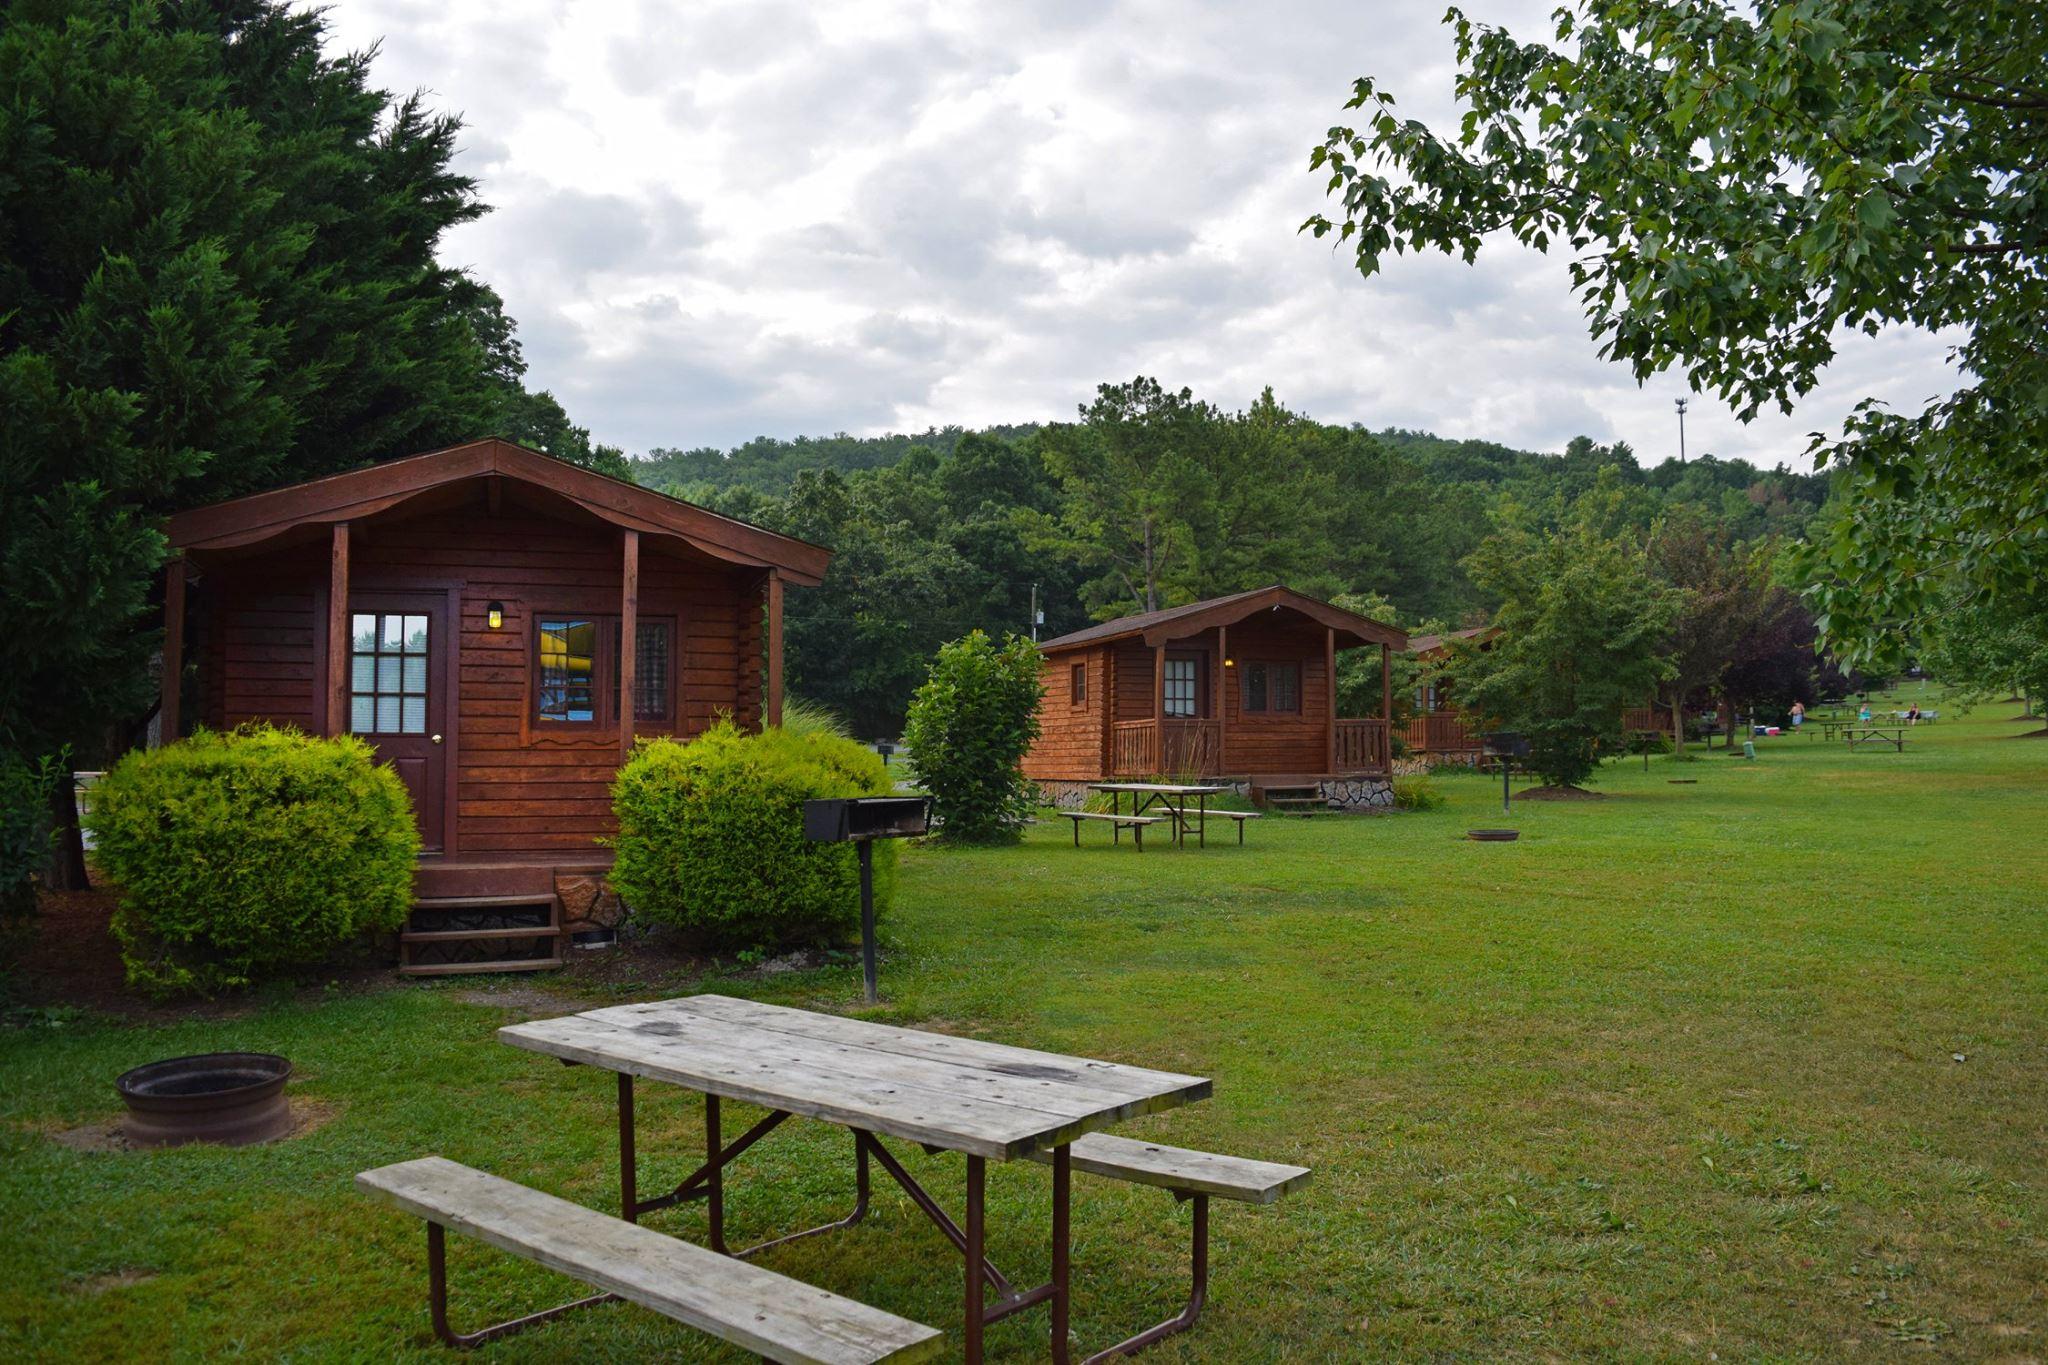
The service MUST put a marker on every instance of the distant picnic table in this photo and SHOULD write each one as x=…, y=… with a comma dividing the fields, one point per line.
x=1181, y=801
x=1865, y=734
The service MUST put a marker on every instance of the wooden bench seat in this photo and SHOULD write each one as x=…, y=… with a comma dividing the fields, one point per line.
x=1117, y=824
x=780, y=1318
x=1236, y=816
x=1189, y=1174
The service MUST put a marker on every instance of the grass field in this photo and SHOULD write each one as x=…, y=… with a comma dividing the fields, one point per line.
x=1754, y=1067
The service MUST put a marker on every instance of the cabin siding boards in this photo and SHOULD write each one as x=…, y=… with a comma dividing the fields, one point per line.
x=1070, y=739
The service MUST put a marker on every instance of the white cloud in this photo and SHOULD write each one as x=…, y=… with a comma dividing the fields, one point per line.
x=720, y=220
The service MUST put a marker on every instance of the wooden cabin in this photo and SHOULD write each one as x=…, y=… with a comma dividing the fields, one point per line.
x=1236, y=688
x=499, y=626
x=1438, y=732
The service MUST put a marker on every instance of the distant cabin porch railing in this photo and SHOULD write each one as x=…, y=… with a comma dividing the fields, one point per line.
x=1197, y=748
x=1440, y=732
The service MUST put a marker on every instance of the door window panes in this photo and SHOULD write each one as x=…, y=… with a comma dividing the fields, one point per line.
x=651, y=665
x=387, y=689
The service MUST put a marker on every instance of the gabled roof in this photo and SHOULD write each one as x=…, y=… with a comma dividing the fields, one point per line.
x=1432, y=644
x=1175, y=623
x=365, y=492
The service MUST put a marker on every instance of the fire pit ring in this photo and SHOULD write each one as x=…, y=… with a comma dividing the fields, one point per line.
x=1493, y=836
x=232, y=1098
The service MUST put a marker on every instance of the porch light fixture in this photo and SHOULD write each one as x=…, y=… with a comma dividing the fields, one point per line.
x=494, y=615
x=1230, y=663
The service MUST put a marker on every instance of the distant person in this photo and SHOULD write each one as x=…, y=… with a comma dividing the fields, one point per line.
x=1864, y=714
x=1913, y=714
x=1798, y=714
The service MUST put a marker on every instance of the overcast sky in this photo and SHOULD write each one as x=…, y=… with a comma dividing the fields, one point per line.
x=717, y=221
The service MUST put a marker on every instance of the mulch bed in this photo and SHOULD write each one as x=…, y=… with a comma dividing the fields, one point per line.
x=1559, y=794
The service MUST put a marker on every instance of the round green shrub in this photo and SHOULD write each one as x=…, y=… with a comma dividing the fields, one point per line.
x=242, y=855
x=711, y=836
x=969, y=727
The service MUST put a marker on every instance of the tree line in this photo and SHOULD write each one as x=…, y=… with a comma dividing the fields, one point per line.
x=1155, y=497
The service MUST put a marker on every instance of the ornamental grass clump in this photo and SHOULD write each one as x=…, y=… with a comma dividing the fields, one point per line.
x=711, y=836
x=244, y=855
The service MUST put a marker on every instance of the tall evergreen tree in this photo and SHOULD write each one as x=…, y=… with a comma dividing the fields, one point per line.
x=217, y=274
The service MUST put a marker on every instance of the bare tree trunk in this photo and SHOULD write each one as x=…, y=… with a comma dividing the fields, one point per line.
x=1678, y=726
x=65, y=870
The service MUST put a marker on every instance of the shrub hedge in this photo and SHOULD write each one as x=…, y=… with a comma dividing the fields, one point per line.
x=969, y=727
x=711, y=836
x=242, y=855
x=24, y=840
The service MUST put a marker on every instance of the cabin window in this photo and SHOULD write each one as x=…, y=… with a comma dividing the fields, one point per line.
x=387, y=693
x=651, y=671
x=1178, y=687
x=1272, y=687
x=578, y=672
x=1078, y=684
x=568, y=670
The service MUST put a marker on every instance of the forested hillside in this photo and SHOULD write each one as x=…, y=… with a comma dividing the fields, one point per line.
x=1152, y=498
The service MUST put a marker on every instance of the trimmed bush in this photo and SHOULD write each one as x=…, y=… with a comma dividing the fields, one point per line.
x=244, y=855
x=711, y=836
x=969, y=727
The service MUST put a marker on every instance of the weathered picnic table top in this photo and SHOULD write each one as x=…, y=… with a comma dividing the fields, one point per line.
x=984, y=1099
x=1160, y=788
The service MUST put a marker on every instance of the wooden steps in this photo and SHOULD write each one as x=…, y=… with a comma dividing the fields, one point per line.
x=457, y=935
x=1303, y=800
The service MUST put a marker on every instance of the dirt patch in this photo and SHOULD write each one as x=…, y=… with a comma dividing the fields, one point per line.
x=2031, y=734
x=73, y=960
x=308, y=1116
x=92, y=1286
x=1558, y=794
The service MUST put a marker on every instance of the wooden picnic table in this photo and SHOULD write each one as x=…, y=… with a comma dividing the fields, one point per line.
x=1867, y=733
x=986, y=1101
x=1169, y=796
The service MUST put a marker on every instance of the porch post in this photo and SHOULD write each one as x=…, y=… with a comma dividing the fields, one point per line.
x=1387, y=710
x=773, y=715
x=1330, y=699
x=1159, y=707
x=174, y=650
x=337, y=631
x=1222, y=698
x=629, y=638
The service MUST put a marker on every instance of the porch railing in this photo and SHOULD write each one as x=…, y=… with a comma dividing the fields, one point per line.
x=1362, y=746
x=1191, y=747
x=1440, y=732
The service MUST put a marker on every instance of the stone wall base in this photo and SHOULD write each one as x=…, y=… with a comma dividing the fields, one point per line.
x=588, y=902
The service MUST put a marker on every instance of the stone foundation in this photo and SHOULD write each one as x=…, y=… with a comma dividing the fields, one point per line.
x=1359, y=793
x=588, y=902
x=1063, y=795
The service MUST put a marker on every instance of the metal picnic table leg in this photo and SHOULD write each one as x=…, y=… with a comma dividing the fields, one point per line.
x=975, y=1236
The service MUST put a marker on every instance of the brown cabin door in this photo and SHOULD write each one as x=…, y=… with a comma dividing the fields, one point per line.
x=398, y=695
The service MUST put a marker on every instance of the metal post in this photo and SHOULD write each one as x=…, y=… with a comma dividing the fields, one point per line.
x=629, y=1179
x=1062, y=1199
x=1506, y=762
x=977, y=1184
x=867, y=920
x=714, y=1184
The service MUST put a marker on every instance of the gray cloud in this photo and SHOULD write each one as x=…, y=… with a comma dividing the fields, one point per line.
x=727, y=219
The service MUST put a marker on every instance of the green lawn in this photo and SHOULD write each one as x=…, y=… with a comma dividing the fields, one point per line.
x=1675, y=1075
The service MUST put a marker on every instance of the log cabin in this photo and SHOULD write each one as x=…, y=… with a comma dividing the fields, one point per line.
x=1438, y=732
x=499, y=626
x=1237, y=689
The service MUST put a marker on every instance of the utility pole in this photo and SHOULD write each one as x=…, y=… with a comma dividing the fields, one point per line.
x=1036, y=618
x=1680, y=404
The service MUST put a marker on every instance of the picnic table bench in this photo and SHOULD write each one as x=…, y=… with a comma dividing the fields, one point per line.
x=770, y=1314
x=1117, y=824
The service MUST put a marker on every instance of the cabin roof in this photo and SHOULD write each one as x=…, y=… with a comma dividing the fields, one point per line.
x=1433, y=644
x=1174, y=623
x=362, y=493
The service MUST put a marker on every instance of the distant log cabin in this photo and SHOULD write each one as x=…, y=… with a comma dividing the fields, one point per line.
x=1237, y=688
x=497, y=624
x=1438, y=732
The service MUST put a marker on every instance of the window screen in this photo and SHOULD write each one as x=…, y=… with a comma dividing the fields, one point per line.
x=387, y=691
x=1272, y=687
x=651, y=670
x=1079, y=683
